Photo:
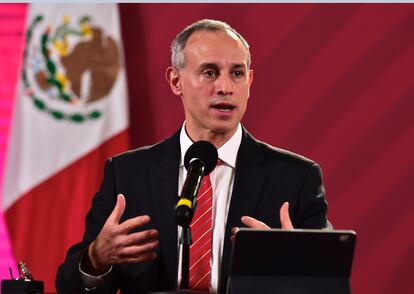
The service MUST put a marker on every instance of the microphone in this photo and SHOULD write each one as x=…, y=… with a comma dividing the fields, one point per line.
x=199, y=160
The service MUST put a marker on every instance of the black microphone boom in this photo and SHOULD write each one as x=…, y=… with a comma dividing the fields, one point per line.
x=199, y=160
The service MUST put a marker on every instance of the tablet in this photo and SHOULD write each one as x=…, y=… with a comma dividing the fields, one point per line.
x=299, y=252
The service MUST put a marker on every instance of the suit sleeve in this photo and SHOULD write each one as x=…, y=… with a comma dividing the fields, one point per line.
x=312, y=205
x=68, y=279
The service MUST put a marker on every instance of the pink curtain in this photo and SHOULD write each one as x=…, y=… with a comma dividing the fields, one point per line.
x=12, y=20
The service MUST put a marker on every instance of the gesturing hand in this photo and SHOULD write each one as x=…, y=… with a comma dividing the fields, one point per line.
x=114, y=244
x=256, y=224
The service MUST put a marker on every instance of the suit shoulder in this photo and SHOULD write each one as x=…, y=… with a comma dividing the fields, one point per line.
x=137, y=153
x=283, y=155
x=140, y=155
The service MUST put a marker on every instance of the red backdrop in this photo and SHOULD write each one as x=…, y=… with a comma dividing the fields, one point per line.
x=333, y=82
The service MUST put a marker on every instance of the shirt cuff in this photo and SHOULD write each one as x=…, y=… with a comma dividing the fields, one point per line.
x=93, y=282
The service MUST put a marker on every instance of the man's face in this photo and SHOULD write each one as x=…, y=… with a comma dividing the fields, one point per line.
x=214, y=84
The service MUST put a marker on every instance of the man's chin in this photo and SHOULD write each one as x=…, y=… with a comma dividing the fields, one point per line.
x=224, y=129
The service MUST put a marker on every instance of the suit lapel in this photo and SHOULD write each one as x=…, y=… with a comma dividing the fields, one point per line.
x=165, y=187
x=250, y=178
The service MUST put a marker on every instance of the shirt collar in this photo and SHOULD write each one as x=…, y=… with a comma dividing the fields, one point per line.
x=227, y=153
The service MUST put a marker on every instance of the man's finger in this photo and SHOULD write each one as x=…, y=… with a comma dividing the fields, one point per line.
x=284, y=217
x=140, y=238
x=133, y=223
x=118, y=211
x=253, y=223
x=138, y=250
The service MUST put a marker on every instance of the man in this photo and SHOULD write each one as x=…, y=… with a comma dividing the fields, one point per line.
x=130, y=242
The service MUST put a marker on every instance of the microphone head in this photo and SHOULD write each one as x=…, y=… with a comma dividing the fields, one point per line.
x=203, y=151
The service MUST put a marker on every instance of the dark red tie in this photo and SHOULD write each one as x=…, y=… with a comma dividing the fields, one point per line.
x=201, y=232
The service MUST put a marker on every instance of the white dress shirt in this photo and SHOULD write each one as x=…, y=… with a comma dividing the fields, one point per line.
x=222, y=178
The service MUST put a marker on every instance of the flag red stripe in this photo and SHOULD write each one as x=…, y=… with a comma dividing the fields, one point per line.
x=50, y=218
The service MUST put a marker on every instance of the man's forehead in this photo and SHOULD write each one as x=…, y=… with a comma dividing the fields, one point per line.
x=212, y=47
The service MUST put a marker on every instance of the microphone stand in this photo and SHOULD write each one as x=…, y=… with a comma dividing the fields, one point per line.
x=185, y=254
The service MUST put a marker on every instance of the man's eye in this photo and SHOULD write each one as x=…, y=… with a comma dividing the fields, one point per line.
x=238, y=73
x=210, y=73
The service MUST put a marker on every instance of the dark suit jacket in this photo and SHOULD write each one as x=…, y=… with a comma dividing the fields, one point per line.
x=148, y=177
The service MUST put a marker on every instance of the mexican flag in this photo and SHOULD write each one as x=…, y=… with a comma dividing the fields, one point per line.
x=70, y=115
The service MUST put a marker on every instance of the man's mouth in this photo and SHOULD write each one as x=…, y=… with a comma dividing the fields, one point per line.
x=223, y=106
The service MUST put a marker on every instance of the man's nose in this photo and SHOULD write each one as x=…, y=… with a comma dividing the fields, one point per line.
x=224, y=85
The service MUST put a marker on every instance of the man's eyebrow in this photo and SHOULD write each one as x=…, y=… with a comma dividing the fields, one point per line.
x=208, y=65
x=215, y=66
x=238, y=65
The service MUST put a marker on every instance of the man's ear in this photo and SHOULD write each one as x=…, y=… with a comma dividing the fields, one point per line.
x=174, y=79
x=250, y=77
x=249, y=81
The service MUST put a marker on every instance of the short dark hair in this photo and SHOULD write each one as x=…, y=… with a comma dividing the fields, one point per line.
x=209, y=25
